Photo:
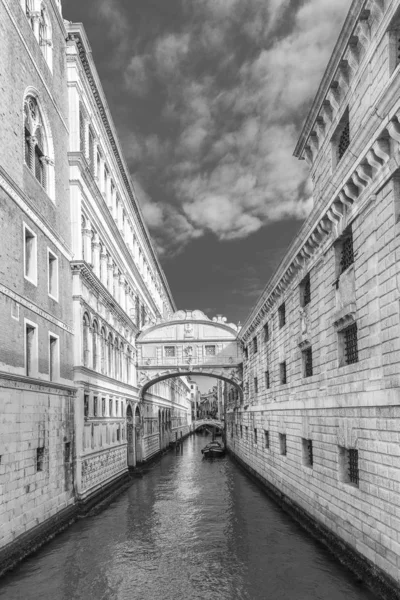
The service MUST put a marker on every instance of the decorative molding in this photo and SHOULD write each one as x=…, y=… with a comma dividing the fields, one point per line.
x=34, y=308
x=344, y=317
x=31, y=384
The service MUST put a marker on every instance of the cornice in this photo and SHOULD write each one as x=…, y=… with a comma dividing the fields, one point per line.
x=77, y=35
x=344, y=37
x=377, y=163
x=85, y=271
x=36, y=385
x=78, y=159
x=91, y=374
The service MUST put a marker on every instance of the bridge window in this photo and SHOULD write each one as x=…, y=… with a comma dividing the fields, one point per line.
x=169, y=351
x=210, y=350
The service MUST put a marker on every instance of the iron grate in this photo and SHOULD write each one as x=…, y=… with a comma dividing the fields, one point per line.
x=351, y=345
x=344, y=140
x=353, y=466
x=347, y=254
x=308, y=366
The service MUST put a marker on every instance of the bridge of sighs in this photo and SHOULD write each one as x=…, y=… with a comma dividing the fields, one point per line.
x=189, y=343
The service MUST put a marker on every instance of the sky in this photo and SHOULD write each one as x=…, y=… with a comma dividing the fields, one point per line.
x=209, y=97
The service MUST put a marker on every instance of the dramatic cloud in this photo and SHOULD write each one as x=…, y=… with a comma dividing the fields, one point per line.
x=230, y=87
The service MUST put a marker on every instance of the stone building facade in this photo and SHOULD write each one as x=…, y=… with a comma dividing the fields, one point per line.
x=37, y=396
x=320, y=418
x=79, y=279
x=118, y=288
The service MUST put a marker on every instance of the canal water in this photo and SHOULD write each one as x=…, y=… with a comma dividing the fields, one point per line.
x=189, y=529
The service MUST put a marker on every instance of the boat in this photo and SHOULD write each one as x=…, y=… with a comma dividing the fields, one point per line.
x=213, y=450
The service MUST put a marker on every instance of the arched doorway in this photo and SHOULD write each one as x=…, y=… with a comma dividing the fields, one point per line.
x=129, y=436
x=138, y=437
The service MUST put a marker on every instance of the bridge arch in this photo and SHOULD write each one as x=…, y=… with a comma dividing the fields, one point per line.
x=189, y=343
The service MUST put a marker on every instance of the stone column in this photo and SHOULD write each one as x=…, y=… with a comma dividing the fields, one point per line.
x=110, y=278
x=87, y=243
x=96, y=254
x=103, y=266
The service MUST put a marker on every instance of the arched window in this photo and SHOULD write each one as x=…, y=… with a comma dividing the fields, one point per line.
x=110, y=349
x=36, y=145
x=103, y=350
x=86, y=340
x=96, y=357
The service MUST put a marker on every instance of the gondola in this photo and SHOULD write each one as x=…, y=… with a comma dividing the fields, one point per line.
x=213, y=450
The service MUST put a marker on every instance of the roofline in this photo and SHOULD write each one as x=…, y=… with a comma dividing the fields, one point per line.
x=78, y=32
x=344, y=38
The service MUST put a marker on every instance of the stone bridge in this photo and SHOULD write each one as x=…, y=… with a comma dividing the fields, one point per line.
x=189, y=343
x=208, y=423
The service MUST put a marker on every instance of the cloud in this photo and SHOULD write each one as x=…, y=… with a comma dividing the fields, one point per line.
x=232, y=87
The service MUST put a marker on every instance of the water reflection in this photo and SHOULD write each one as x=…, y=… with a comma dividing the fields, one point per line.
x=189, y=529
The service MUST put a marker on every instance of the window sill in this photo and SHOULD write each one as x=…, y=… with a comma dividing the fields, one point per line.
x=32, y=281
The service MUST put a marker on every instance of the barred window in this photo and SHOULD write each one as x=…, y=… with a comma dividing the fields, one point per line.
x=255, y=436
x=255, y=385
x=169, y=351
x=95, y=407
x=255, y=345
x=67, y=452
x=353, y=465
x=308, y=457
x=266, y=438
x=245, y=352
x=282, y=370
x=39, y=459
x=307, y=360
x=344, y=140
x=350, y=344
x=282, y=444
x=267, y=382
x=86, y=405
x=210, y=350
x=305, y=288
x=347, y=252
x=282, y=315
x=266, y=332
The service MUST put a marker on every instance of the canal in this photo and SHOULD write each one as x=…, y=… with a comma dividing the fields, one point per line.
x=189, y=529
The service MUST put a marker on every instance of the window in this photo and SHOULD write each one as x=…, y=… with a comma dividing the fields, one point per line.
x=341, y=139
x=53, y=358
x=350, y=343
x=95, y=406
x=255, y=345
x=267, y=382
x=118, y=434
x=346, y=250
x=30, y=255
x=37, y=156
x=86, y=340
x=241, y=431
x=210, y=350
x=266, y=332
x=282, y=372
x=169, y=351
x=246, y=352
x=308, y=459
x=39, y=459
x=247, y=432
x=266, y=438
x=116, y=408
x=307, y=362
x=31, y=350
x=255, y=436
x=348, y=466
x=282, y=315
x=282, y=444
x=143, y=316
x=91, y=151
x=52, y=264
x=86, y=405
x=255, y=385
x=110, y=408
x=305, y=291
x=103, y=407
x=43, y=31
x=67, y=452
